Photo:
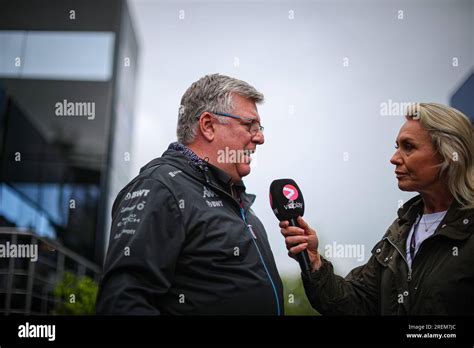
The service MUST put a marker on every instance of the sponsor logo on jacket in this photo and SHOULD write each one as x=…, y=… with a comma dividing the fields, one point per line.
x=208, y=193
x=135, y=194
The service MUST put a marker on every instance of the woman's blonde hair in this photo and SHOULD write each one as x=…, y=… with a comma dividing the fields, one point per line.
x=452, y=134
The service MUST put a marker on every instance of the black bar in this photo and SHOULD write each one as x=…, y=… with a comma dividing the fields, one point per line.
x=241, y=330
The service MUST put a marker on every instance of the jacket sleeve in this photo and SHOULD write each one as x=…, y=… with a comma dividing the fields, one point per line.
x=146, y=237
x=356, y=294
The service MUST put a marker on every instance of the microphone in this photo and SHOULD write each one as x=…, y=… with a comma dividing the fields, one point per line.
x=287, y=203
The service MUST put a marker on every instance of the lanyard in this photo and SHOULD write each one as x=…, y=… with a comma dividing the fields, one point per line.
x=413, y=241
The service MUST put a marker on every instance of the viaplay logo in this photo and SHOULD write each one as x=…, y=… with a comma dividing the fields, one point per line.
x=290, y=192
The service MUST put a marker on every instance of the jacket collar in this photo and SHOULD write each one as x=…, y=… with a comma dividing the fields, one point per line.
x=189, y=154
x=184, y=159
x=457, y=224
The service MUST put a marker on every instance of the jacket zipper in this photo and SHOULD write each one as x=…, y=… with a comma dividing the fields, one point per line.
x=261, y=259
x=412, y=261
x=403, y=257
x=242, y=214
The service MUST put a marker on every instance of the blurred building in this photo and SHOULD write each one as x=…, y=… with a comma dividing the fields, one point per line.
x=463, y=97
x=67, y=83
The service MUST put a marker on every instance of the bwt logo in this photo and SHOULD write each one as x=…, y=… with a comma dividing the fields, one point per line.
x=136, y=194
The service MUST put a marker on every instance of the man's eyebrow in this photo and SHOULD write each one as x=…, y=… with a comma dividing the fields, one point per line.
x=252, y=119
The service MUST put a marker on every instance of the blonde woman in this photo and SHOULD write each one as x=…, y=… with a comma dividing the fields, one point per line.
x=424, y=264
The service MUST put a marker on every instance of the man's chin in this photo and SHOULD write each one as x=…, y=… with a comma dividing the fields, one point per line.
x=243, y=169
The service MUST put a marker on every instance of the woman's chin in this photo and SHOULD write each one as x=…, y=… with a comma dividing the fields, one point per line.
x=403, y=186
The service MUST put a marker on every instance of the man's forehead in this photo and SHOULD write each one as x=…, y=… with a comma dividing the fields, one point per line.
x=245, y=107
x=251, y=113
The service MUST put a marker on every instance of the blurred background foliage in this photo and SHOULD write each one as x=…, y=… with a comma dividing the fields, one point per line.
x=296, y=302
x=85, y=290
x=75, y=295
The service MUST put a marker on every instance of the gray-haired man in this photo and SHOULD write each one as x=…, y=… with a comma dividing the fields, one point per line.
x=184, y=239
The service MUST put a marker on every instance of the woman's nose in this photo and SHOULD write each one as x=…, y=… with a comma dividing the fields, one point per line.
x=396, y=159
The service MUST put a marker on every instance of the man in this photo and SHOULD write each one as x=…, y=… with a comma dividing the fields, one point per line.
x=184, y=239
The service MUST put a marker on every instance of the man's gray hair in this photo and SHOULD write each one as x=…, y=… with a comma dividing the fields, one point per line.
x=211, y=93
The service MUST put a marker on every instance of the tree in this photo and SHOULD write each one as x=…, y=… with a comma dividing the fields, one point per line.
x=76, y=296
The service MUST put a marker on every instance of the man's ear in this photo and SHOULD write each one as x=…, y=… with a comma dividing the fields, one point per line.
x=206, y=126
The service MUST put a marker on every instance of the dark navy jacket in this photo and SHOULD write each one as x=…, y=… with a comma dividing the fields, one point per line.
x=181, y=244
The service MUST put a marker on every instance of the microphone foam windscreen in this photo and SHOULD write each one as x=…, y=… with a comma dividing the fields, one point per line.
x=286, y=199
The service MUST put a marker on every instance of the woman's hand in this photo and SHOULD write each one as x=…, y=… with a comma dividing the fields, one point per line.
x=301, y=238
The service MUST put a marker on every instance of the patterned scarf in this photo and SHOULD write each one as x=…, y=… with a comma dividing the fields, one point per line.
x=190, y=155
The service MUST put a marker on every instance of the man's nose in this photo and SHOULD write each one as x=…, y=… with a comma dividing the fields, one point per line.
x=259, y=138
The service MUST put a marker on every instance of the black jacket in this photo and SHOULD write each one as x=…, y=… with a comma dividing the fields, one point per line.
x=180, y=245
x=440, y=282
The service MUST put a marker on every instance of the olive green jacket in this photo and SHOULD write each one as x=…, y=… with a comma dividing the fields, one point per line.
x=440, y=282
